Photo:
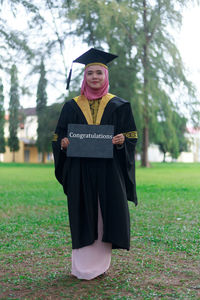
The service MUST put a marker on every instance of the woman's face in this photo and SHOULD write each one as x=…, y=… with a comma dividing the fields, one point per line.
x=95, y=76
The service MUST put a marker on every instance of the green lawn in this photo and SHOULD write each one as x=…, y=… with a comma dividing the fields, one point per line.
x=35, y=243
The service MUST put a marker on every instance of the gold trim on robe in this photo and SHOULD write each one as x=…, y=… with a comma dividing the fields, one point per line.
x=83, y=103
x=94, y=107
x=131, y=134
x=55, y=137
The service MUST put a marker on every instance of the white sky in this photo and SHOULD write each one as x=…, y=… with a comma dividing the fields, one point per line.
x=188, y=43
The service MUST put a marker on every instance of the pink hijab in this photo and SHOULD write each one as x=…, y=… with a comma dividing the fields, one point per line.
x=92, y=94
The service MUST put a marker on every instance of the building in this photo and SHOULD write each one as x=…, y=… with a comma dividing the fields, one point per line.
x=27, y=134
x=193, y=154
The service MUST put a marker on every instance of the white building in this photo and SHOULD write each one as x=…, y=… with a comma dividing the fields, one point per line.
x=193, y=155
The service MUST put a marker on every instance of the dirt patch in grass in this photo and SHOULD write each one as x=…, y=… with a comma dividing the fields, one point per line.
x=134, y=275
x=170, y=274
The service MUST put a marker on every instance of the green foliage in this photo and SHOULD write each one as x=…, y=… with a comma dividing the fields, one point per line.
x=14, y=104
x=180, y=123
x=12, y=41
x=2, y=120
x=53, y=113
x=109, y=24
x=168, y=128
x=42, y=130
x=169, y=142
x=149, y=67
x=161, y=65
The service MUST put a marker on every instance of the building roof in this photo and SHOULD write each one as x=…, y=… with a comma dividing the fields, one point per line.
x=193, y=130
x=30, y=111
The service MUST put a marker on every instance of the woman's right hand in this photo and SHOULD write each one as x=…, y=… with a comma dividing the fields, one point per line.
x=64, y=143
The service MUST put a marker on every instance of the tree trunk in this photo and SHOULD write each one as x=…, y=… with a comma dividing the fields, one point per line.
x=43, y=157
x=145, y=143
x=164, y=156
x=13, y=156
x=145, y=138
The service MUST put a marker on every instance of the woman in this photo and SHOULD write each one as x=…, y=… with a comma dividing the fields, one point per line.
x=97, y=189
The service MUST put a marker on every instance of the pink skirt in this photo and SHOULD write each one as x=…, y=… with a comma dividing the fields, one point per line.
x=93, y=260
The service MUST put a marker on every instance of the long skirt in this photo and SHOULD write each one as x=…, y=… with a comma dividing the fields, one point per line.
x=93, y=260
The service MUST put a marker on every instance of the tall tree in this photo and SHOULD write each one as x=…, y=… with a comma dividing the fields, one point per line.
x=149, y=63
x=161, y=64
x=41, y=108
x=2, y=120
x=14, y=105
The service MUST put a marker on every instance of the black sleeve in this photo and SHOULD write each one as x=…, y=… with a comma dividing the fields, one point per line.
x=126, y=155
x=60, y=132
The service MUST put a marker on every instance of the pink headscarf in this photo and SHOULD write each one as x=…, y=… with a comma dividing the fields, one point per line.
x=92, y=94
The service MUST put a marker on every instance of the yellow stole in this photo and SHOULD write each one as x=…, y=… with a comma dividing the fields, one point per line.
x=83, y=103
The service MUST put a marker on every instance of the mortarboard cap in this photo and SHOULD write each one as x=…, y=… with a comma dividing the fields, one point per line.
x=92, y=56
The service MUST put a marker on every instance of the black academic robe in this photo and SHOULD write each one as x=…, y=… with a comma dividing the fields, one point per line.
x=85, y=180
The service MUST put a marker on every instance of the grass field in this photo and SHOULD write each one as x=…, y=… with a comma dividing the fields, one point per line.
x=35, y=243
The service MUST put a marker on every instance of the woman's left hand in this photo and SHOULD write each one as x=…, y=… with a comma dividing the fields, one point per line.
x=118, y=139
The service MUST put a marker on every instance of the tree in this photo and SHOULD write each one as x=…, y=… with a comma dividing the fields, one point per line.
x=142, y=27
x=53, y=113
x=168, y=128
x=14, y=104
x=41, y=109
x=169, y=141
x=180, y=123
x=54, y=46
x=173, y=138
x=2, y=121
x=161, y=65
x=11, y=39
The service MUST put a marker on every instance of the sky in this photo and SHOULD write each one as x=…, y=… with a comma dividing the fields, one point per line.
x=187, y=41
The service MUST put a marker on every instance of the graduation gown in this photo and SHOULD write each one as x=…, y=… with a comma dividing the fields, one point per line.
x=85, y=180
